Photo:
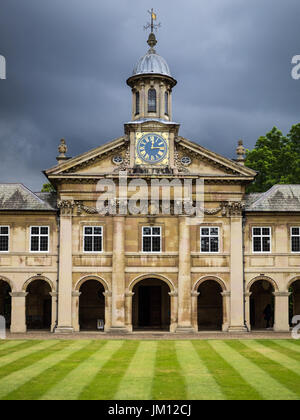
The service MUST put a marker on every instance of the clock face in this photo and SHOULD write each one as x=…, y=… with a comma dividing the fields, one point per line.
x=152, y=148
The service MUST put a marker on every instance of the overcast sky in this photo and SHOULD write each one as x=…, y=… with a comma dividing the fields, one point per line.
x=68, y=61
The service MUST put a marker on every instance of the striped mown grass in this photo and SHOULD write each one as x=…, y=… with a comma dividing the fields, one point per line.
x=148, y=370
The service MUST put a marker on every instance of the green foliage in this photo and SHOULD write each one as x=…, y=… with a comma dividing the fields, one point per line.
x=48, y=188
x=276, y=158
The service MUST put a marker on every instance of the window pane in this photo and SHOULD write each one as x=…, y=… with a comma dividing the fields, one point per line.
x=147, y=244
x=295, y=231
x=204, y=231
x=98, y=230
x=3, y=243
x=44, y=230
x=166, y=103
x=152, y=100
x=44, y=243
x=266, y=231
x=88, y=231
x=256, y=231
x=88, y=244
x=35, y=230
x=146, y=231
x=257, y=244
x=296, y=244
x=156, y=244
x=98, y=243
x=34, y=243
x=204, y=244
x=137, y=103
x=214, y=231
x=156, y=231
x=214, y=244
x=266, y=244
x=4, y=230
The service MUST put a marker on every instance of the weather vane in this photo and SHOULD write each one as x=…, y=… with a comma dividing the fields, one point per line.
x=152, y=25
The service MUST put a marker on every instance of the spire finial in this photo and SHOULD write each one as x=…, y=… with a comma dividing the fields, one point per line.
x=62, y=149
x=240, y=151
x=152, y=41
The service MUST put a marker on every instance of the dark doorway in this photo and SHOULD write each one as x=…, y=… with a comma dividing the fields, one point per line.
x=262, y=305
x=38, y=306
x=151, y=305
x=91, y=306
x=294, y=300
x=5, y=302
x=210, y=306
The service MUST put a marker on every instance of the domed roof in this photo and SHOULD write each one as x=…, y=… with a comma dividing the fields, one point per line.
x=152, y=63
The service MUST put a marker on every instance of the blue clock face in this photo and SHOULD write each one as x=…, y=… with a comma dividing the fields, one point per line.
x=152, y=148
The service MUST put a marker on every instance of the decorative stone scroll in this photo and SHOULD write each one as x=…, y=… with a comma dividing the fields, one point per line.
x=66, y=207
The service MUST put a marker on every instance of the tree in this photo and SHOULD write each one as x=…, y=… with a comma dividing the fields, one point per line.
x=276, y=158
x=48, y=188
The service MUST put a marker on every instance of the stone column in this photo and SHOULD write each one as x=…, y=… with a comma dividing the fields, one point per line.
x=281, y=321
x=128, y=310
x=174, y=311
x=247, y=309
x=75, y=311
x=184, y=278
x=237, y=323
x=53, y=310
x=118, y=276
x=226, y=310
x=195, y=310
x=107, y=296
x=65, y=324
x=18, y=312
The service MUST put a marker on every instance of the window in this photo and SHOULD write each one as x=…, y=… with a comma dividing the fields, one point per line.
x=152, y=100
x=166, y=103
x=151, y=239
x=137, y=103
x=261, y=238
x=93, y=239
x=209, y=237
x=4, y=238
x=295, y=239
x=39, y=239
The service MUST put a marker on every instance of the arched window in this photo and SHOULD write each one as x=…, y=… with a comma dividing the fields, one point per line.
x=166, y=103
x=152, y=100
x=137, y=103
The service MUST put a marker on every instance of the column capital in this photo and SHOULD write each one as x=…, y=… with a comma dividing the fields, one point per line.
x=107, y=293
x=18, y=294
x=248, y=294
x=53, y=294
x=129, y=294
x=195, y=294
x=173, y=294
x=281, y=294
x=226, y=294
x=76, y=294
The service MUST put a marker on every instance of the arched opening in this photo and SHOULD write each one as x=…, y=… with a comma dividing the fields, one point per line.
x=152, y=100
x=294, y=300
x=210, y=306
x=166, y=103
x=137, y=103
x=92, y=306
x=5, y=302
x=262, y=305
x=151, y=305
x=38, y=305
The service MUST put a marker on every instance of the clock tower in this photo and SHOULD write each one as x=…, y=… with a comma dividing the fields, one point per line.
x=151, y=129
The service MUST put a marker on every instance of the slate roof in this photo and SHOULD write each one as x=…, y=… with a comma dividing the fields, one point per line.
x=280, y=198
x=19, y=197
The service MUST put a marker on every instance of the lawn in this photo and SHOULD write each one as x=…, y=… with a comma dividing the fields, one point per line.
x=160, y=370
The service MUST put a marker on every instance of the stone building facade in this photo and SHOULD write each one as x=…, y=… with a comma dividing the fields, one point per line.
x=65, y=266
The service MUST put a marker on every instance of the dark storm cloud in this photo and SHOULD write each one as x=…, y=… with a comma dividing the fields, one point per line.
x=67, y=63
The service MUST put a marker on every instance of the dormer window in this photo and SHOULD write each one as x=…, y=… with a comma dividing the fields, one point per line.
x=152, y=100
x=166, y=103
x=137, y=103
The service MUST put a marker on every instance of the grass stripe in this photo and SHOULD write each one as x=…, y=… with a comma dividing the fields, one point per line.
x=138, y=378
x=284, y=376
x=13, y=346
x=8, y=344
x=266, y=387
x=108, y=379
x=73, y=384
x=265, y=349
x=68, y=360
x=200, y=385
x=34, y=347
x=282, y=350
x=168, y=382
x=291, y=345
x=47, y=359
x=232, y=384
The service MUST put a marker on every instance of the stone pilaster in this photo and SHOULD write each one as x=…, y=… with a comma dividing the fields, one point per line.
x=75, y=311
x=195, y=296
x=65, y=324
x=54, y=296
x=226, y=310
x=237, y=322
x=118, y=276
x=281, y=318
x=18, y=312
x=184, y=278
x=174, y=311
x=128, y=310
x=247, y=309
